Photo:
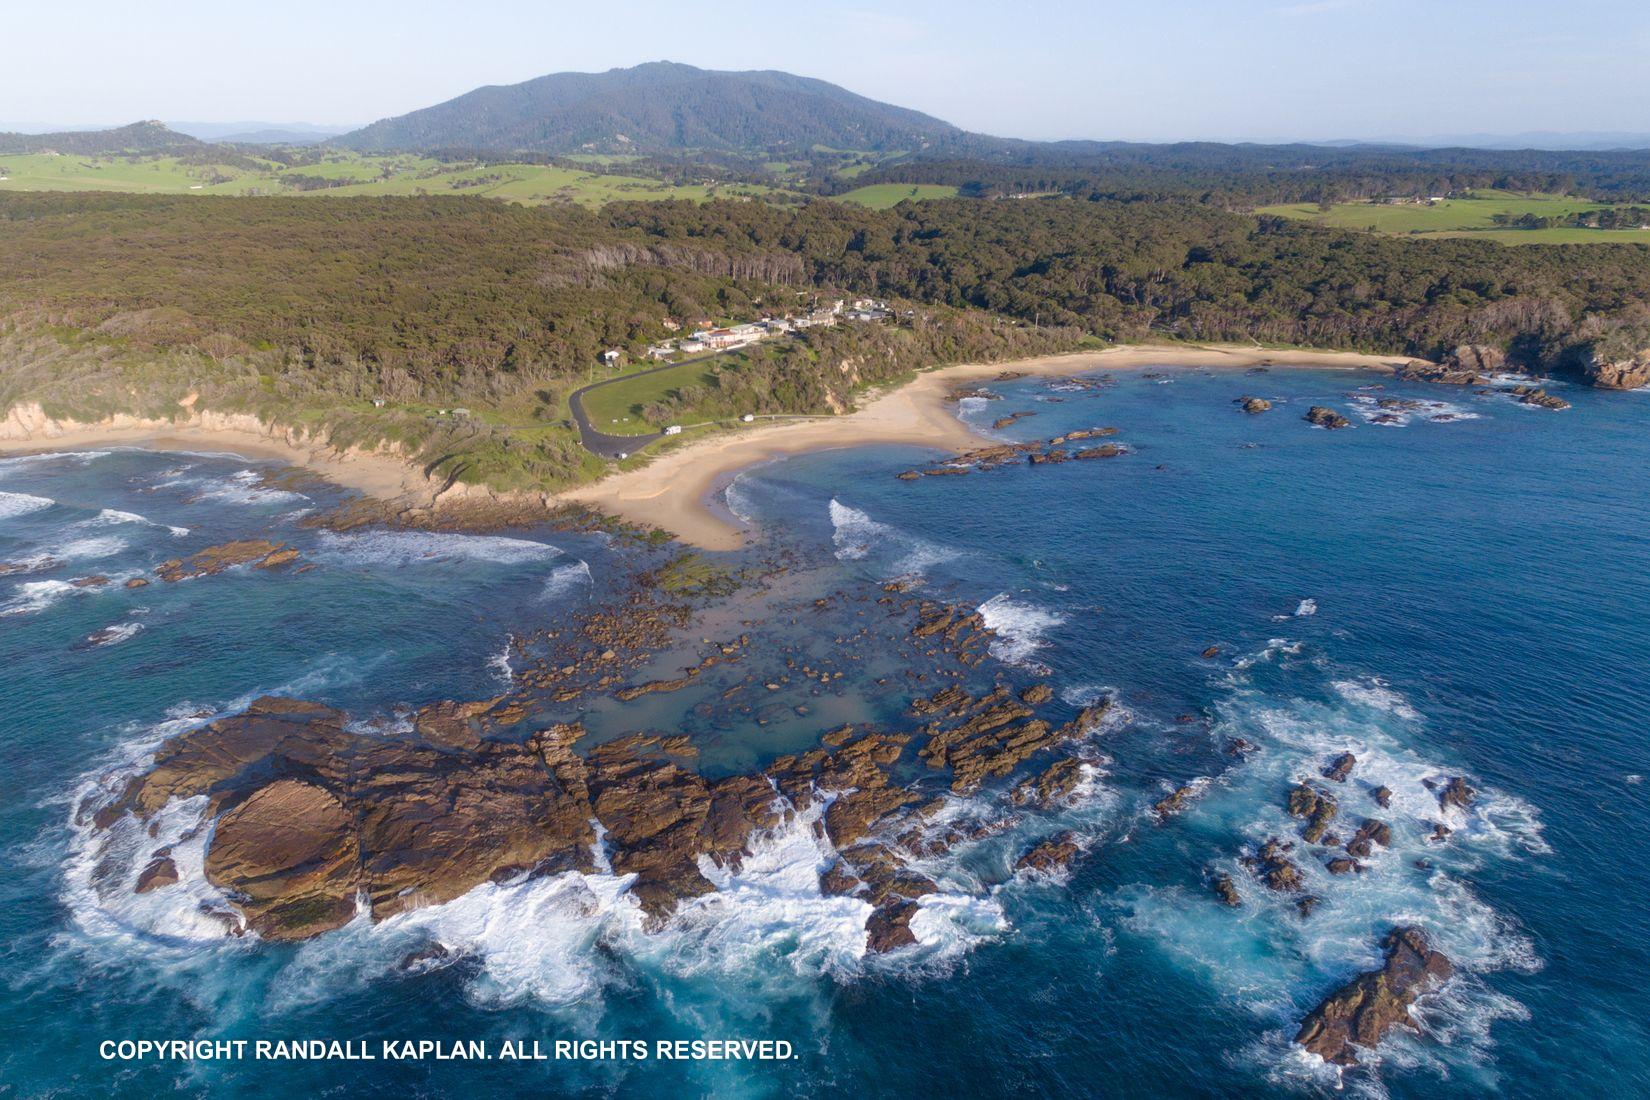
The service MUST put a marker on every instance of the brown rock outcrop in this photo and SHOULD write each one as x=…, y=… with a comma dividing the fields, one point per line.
x=1630, y=373
x=1341, y=767
x=1322, y=417
x=260, y=553
x=1051, y=856
x=1360, y=1013
x=1316, y=807
x=1466, y=365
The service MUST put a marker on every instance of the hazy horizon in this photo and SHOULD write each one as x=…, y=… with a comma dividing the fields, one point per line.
x=1322, y=70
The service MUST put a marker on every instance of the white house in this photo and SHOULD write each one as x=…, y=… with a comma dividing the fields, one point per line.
x=611, y=356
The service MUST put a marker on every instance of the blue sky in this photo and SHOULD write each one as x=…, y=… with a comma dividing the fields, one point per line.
x=1163, y=70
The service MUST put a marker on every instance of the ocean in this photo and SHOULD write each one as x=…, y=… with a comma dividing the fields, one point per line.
x=1458, y=585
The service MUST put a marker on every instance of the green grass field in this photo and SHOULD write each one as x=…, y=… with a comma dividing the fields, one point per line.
x=1467, y=217
x=617, y=409
x=355, y=175
x=881, y=196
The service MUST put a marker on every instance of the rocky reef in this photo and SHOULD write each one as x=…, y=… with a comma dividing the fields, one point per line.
x=1360, y=1013
x=312, y=819
x=1320, y=416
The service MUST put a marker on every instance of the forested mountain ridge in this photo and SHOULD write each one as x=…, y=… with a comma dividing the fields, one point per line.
x=139, y=137
x=653, y=108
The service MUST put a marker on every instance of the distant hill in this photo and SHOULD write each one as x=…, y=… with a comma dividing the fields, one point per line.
x=139, y=137
x=265, y=133
x=662, y=107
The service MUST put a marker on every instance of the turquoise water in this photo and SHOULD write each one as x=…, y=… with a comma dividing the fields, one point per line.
x=1464, y=593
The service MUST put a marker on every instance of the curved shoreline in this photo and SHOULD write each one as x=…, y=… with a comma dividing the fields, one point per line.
x=673, y=491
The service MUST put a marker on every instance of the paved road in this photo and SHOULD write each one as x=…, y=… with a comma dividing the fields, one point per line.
x=601, y=443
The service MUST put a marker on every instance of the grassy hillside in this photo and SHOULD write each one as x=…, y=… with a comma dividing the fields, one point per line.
x=881, y=196
x=340, y=174
x=1481, y=214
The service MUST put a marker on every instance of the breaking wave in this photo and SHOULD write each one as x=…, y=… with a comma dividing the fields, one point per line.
x=114, y=516
x=857, y=537
x=1019, y=627
x=1274, y=963
x=566, y=579
x=13, y=505
x=417, y=547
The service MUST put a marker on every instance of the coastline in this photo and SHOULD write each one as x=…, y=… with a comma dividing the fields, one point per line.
x=383, y=473
x=672, y=491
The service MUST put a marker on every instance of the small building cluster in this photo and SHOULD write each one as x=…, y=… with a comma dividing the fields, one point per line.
x=707, y=336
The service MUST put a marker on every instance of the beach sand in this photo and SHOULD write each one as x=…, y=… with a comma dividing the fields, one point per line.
x=675, y=490
x=385, y=474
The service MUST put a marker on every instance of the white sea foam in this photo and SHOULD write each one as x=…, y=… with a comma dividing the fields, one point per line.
x=79, y=458
x=242, y=487
x=88, y=549
x=1306, y=607
x=739, y=502
x=113, y=516
x=103, y=868
x=1273, y=649
x=1400, y=416
x=114, y=635
x=564, y=580
x=1275, y=964
x=398, y=548
x=1086, y=695
x=32, y=596
x=1019, y=627
x=1378, y=694
x=500, y=664
x=13, y=505
x=856, y=536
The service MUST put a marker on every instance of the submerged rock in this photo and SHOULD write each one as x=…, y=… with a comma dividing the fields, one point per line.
x=1274, y=867
x=1226, y=890
x=160, y=871
x=1466, y=365
x=259, y=553
x=1341, y=767
x=1051, y=856
x=1456, y=793
x=1360, y=1013
x=1540, y=398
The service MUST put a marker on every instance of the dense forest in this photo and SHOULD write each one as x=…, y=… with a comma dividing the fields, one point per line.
x=1246, y=176
x=652, y=108
x=311, y=311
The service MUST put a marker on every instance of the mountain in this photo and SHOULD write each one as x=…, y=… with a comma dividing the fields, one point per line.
x=139, y=137
x=266, y=133
x=662, y=107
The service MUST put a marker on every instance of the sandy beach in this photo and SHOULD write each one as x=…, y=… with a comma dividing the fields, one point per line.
x=383, y=473
x=674, y=490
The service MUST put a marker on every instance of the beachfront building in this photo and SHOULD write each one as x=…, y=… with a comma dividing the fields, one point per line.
x=662, y=350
